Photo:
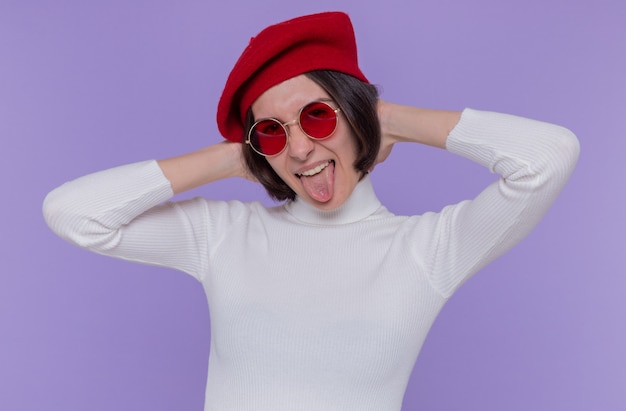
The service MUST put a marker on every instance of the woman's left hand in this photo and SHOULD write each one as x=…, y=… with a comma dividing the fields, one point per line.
x=386, y=141
x=400, y=123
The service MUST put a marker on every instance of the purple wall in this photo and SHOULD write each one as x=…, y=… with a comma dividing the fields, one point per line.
x=89, y=85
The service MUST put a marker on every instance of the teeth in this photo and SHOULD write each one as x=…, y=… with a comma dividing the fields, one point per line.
x=315, y=170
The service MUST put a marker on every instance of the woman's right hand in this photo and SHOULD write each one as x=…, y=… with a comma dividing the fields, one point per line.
x=212, y=163
x=244, y=171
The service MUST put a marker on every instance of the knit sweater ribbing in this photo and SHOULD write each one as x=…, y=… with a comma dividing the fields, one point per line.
x=322, y=310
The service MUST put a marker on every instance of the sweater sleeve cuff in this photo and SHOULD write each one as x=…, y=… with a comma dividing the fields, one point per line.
x=466, y=138
x=509, y=145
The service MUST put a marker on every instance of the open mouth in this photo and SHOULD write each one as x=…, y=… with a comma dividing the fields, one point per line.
x=319, y=181
x=315, y=170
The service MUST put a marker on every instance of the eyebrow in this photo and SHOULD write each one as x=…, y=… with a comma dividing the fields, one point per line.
x=324, y=99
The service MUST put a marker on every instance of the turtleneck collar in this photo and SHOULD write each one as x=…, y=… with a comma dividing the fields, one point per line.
x=361, y=204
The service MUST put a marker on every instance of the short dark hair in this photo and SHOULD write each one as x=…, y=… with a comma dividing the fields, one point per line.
x=357, y=100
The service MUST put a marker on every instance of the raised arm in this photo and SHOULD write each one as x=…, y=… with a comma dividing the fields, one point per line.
x=216, y=162
x=123, y=211
x=401, y=123
x=534, y=160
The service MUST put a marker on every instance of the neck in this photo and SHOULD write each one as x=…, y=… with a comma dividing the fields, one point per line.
x=361, y=203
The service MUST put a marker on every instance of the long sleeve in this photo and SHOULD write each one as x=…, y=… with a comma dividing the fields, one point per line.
x=534, y=161
x=121, y=212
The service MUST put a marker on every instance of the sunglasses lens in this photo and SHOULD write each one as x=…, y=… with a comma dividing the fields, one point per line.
x=318, y=120
x=268, y=137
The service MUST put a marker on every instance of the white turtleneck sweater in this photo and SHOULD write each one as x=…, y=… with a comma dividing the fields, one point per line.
x=318, y=310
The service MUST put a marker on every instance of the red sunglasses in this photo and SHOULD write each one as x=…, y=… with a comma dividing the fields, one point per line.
x=268, y=136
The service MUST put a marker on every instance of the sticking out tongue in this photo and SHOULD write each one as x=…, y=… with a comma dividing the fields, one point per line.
x=320, y=186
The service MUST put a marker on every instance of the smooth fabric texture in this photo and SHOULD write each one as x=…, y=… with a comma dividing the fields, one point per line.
x=322, y=41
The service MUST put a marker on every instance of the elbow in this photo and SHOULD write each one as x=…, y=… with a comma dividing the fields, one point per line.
x=550, y=161
x=565, y=151
x=556, y=158
x=65, y=219
x=55, y=212
x=61, y=217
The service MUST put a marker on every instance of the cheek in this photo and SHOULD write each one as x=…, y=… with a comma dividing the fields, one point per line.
x=345, y=136
x=346, y=147
x=278, y=165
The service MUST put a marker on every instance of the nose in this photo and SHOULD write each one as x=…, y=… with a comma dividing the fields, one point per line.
x=299, y=146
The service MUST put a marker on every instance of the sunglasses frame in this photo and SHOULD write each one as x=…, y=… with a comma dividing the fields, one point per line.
x=294, y=121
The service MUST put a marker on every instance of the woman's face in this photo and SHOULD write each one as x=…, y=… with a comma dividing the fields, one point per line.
x=321, y=172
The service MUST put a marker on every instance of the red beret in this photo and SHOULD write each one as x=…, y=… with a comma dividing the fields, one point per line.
x=323, y=41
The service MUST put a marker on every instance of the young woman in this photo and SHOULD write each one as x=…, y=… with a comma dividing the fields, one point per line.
x=322, y=302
